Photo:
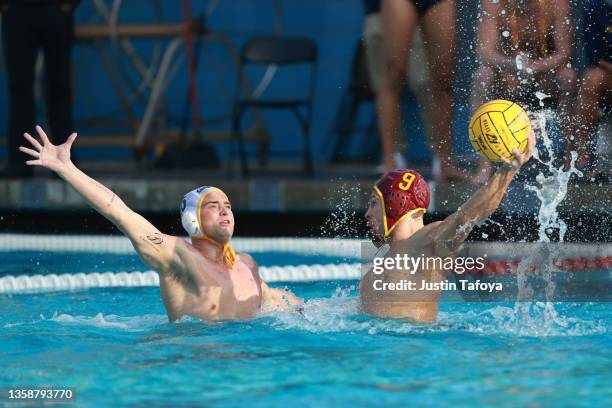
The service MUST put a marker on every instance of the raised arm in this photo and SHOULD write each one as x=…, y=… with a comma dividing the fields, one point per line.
x=156, y=249
x=450, y=233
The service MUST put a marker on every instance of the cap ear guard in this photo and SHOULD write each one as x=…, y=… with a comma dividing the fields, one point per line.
x=190, y=208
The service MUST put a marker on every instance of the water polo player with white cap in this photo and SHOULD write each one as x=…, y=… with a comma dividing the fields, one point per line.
x=208, y=219
x=191, y=218
x=203, y=278
x=405, y=288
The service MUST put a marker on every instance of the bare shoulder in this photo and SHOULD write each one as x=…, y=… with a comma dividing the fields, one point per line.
x=182, y=247
x=185, y=253
x=430, y=230
x=189, y=266
x=419, y=241
x=249, y=261
x=427, y=237
x=181, y=252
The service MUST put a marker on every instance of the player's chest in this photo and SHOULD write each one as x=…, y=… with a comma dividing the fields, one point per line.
x=241, y=284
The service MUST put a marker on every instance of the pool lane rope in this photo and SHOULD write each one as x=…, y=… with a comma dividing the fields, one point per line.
x=578, y=258
x=68, y=281
x=300, y=273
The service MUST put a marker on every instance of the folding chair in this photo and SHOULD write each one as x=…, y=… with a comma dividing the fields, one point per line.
x=274, y=51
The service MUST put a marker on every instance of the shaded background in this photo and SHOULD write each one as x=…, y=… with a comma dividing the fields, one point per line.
x=336, y=27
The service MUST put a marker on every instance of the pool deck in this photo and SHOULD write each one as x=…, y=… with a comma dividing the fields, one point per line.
x=339, y=187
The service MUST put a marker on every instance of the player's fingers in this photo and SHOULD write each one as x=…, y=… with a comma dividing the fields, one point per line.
x=31, y=152
x=34, y=142
x=531, y=141
x=43, y=135
x=505, y=161
x=71, y=139
x=33, y=162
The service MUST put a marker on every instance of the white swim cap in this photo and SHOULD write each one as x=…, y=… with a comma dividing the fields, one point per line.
x=190, y=210
x=190, y=218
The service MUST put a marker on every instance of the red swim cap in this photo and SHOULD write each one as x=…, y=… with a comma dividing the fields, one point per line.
x=402, y=193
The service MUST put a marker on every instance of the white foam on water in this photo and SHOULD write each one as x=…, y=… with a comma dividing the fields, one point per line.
x=537, y=319
x=340, y=314
x=111, y=321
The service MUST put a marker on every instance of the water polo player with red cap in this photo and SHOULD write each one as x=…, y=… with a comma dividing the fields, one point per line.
x=402, y=193
x=395, y=216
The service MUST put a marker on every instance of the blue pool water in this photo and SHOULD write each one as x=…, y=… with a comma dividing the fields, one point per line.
x=115, y=347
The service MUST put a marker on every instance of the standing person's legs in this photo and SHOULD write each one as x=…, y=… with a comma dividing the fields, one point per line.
x=374, y=50
x=399, y=22
x=419, y=82
x=20, y=54
x=595, y=83
x=440, y=40
x=57, y=44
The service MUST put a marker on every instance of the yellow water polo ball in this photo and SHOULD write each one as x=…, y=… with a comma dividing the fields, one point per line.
x=498, y=127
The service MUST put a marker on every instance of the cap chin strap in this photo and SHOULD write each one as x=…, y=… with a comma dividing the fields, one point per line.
x=408, y=214
x=228, y=255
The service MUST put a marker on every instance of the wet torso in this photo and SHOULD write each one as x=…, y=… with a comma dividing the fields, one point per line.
x=415, y=304
x=528, y=29
x=214, y=293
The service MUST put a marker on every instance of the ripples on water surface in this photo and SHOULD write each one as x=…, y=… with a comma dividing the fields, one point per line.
x=115, y=345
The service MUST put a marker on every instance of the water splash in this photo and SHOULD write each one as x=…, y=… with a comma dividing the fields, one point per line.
x=540, y=320
x=342, y=222
x=551, y=190
x=518, y=61
x=541, y=96
x=340, y=314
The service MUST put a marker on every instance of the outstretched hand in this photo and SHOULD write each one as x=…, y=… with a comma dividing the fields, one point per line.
x=519, y=158
x=48, y=155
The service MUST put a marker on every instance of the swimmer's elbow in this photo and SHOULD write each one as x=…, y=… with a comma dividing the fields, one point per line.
x=156, y=251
